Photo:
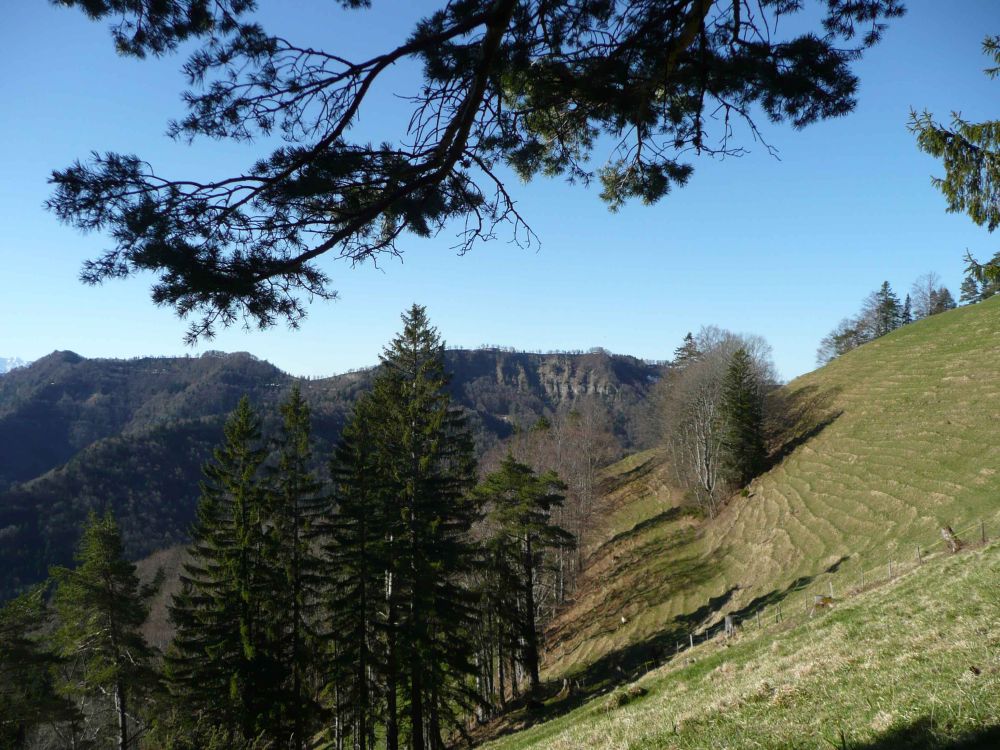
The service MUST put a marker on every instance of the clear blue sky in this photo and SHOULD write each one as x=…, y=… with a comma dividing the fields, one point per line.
x=782, y=248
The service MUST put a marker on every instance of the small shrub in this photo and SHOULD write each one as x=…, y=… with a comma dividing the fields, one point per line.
x=621, y=698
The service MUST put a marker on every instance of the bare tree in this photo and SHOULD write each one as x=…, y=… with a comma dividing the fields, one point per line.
x=923, y=292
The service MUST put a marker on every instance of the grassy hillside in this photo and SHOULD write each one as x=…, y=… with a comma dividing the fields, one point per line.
x=911, y=664
x=883, y=447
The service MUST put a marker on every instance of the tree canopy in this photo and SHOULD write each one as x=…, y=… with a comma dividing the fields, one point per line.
x=622, y=93
x=970, y=155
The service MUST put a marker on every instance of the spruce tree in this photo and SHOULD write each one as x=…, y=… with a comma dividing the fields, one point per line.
x=220, y=666
x=356, y=551
x=887, y=311
x=295, y=515
x=519, y=507
x=423, y=453
x=101, y=607
x=742, y=411
x=941, y=301
x=969, y=291
x=906, y=316
x=28, y=696
x=686, y=353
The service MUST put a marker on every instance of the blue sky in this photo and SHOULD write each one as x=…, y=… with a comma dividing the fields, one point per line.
x=782, y=248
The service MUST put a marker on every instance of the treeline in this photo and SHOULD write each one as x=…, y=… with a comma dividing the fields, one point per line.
x=384, y=602
x=882, y=312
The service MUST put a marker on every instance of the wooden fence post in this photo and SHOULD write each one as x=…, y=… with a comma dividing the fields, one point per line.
x=758, y=619
x=691, y=639
x=982, y=531
x=831, y=589
x=890, y=570
x=919, y=559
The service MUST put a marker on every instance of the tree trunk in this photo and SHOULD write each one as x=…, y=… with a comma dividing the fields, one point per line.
x=122, y=717
x=530, y=635
x=416, y=704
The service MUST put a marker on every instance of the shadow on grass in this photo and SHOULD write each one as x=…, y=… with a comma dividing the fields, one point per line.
x=798, y=417
x=924, y=733
x=627, y=664
x=670, y=514
x=773, y=597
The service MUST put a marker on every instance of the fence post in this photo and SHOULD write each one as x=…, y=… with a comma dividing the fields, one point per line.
x=758, y=619
x=831, y=589
x=890, y=570
x=982, y=531
x=691, y=639
x=862, y=578
x=919, y=559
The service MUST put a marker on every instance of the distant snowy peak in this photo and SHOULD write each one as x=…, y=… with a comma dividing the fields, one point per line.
x=9, y=363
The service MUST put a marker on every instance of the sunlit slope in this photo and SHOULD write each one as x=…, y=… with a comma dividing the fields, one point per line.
x=910, y=664
x=886, y=444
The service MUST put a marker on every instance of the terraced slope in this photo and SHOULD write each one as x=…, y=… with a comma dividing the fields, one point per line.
x=912, y=664
x=887, y=444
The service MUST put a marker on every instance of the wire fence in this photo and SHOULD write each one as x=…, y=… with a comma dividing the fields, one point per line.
x=835, y=586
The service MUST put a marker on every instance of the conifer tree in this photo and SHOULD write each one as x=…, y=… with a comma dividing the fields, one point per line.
x=687, y=352
x=101, y=607
x=356, y=554
x=28, y=696
x=970, y=155
x=886, y=311
x=519, y=507
x=295, y=515
x=424, y=454
x=906, y=316
x=941, y=301
x=220, y=666
x=742, y=411
x=969, y=291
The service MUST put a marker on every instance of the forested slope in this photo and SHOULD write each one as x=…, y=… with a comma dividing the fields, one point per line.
x=132, y=435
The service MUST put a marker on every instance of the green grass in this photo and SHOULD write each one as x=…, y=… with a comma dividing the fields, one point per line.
x=913, y=663
x=889, y=443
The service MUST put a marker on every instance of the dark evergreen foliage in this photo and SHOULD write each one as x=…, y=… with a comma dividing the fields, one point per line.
x=687, y=352
x=222, y=667
x=520, y=536
x=101, y=607
x=886, y=312
x=28, y=694
x=969, y=291
x=658, y=81
x=295, y=516
x=423, y=453
x=742, y=412
x=357, y=552
x=970, y=155
x=941, y=301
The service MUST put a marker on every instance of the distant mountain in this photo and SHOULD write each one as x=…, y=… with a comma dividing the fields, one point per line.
x=9, y=363
x=81, y=434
